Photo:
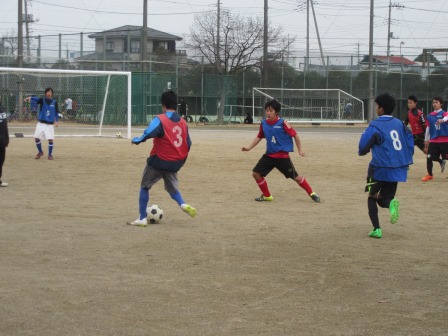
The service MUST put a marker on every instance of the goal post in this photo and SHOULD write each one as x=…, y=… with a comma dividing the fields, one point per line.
x=91, y=103
x=310, y=105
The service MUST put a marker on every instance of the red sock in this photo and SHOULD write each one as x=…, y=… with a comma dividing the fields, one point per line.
x=263, y=185
x=304, y=184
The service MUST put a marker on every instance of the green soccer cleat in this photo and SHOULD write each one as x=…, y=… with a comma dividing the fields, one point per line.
x=394, y=208
x=375, y=233
x=263, y=198
x=188, y=209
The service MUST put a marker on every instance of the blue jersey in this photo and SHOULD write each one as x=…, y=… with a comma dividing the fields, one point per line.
x=276, y=138
x=392, y=147
x=48, y=112
x=436, y=130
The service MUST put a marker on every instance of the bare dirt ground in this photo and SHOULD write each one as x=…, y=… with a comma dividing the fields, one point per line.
x=70, y=266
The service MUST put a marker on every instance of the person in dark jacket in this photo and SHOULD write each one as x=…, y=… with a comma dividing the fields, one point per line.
x=4, y=141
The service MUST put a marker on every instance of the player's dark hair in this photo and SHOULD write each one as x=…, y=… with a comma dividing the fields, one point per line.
x=274, y=104
x=169, y=99
x=49, y=89
x=387, y=102
x=413, y=98
x=439, y=99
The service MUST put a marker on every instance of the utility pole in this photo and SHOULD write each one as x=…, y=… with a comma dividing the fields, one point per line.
x=144, y=36
x=20, y=34
x=318, y=36
x=20, y=57
x=307, y=61
x=371, y=100
x=265, y=45
x=27, y=22
x=388, y=33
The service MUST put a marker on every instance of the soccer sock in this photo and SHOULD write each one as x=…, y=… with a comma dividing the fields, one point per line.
x=50, y=148
x=177, y=197
x=143, y=202
x=373, y=212
x=263, y=185
x=429, y=166
x=39, y=145
x=304, y=184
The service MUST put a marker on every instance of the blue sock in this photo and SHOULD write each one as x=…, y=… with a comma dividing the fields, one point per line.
x=177, y=197
x=50, y=148
x=143, y=202
x=39, y=145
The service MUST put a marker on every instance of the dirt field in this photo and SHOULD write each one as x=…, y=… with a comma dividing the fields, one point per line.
x=70, y=266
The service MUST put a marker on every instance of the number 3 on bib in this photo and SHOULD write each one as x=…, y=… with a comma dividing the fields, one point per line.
x=178, y=133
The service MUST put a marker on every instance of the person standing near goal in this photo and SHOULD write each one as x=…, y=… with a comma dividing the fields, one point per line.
x=169, y=152
x=279, y=135
x=48, y=117
x=392, y=146
x=4, y=141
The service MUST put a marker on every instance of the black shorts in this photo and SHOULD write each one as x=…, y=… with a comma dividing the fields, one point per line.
x=437, y=149
x=381, y=189
x=266, y=164
x=419, y=141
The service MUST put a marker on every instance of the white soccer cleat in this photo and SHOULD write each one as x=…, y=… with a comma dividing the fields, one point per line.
x=3, y=184
x=139, y=222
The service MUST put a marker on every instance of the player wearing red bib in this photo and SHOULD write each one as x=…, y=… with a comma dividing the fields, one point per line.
x=279, y=135
x=169, y=153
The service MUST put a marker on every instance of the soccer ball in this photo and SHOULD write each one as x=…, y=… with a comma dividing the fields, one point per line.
x=155, y=214
x=118, y=135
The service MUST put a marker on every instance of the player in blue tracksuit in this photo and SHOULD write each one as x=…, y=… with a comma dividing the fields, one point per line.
x=392, y=147
x=48, y=117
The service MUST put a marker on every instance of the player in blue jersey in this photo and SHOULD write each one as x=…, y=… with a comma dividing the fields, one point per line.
x=436, y=138
x=48, y=117
x=392, y=146
x=279, y=135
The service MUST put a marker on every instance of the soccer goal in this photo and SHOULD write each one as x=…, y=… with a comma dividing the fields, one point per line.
x=310, y=105
x=91, y=103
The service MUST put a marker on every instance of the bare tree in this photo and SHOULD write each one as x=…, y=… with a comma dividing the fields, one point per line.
x=240, y=45
x=241, y=41
x=10, y=43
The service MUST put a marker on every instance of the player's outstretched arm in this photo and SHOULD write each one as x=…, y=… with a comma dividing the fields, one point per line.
x=298, y=145
x=255, y=142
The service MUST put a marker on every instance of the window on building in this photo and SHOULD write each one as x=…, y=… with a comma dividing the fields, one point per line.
x=135, y=46
x=109, y=46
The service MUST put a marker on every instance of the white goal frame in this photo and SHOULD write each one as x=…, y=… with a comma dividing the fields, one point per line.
x=87, y=73
x=337, y=113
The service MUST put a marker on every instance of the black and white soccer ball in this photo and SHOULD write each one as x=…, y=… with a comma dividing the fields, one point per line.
x=155, y=214
x=119, y=135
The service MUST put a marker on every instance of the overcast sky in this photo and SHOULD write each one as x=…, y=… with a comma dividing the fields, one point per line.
x=343, y=24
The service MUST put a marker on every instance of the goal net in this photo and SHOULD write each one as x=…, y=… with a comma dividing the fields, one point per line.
x=310, y=105
x=91, y=103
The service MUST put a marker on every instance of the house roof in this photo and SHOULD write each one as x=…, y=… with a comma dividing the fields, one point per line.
x=135, y=31
x=110, y=56
x=392, y=60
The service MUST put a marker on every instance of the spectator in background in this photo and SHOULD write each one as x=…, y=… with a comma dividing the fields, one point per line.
x=248, y=119
x=183, y=110
x=68, y=103
x=348, y=110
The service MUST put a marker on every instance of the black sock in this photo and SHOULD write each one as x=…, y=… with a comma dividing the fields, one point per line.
x=373, y=212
